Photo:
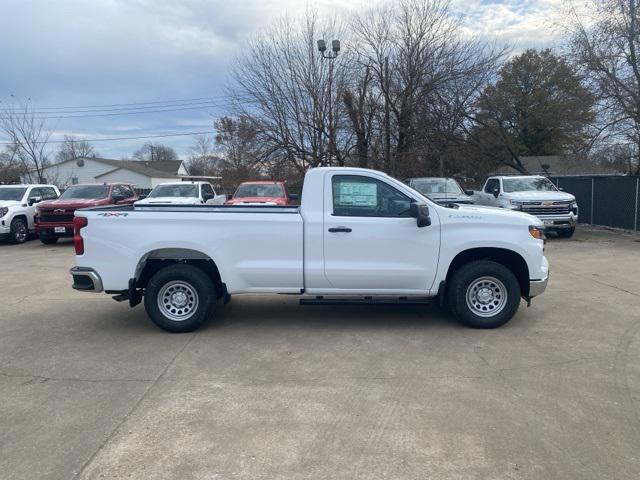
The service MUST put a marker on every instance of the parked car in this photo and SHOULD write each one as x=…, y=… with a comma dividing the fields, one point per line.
x=357, y=233
x=183, y=193
x=262, y=192
x=55, y=217
x=18, y=209
x=441, y=190
x=535, y=195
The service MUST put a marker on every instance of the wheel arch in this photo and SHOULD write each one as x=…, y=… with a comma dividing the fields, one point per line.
x=155, y=260
x=509, y=258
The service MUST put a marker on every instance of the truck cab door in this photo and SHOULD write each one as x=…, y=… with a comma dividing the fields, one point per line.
x=371, y=243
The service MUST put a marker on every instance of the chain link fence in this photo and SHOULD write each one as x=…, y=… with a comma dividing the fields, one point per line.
x=607, y=200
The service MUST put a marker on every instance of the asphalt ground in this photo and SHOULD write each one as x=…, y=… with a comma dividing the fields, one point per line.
x=91, y=389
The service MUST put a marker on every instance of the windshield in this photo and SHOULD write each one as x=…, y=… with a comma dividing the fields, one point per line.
x=429, y=186
x=259, y=190
x=12, y=193
x=93, y=192
x=177, y=190
x=528, y=184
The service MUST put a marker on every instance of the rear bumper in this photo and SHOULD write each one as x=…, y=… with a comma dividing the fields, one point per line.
x=86, y=279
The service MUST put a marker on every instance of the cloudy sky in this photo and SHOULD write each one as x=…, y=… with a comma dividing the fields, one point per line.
x=172, y=55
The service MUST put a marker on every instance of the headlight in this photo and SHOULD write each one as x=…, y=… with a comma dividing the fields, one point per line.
x=3, y=211
x=516, y=204
x=537, y=232
x=574, y=208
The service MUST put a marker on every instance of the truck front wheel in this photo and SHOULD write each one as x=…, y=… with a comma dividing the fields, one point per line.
x=179, y=298
x=484, y=294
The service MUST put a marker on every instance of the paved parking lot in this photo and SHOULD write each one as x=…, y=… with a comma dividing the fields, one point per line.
x=91, y=389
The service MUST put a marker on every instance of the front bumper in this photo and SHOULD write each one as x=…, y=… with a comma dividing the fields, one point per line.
x=49, y=229
x=537, y=287
x=555, y=222
x=86, y=279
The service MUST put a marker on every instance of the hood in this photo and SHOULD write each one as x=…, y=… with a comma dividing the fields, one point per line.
x=169, y=200
x=72, y=203
x=9, y=203
x=449, y=197
x=538, y=195
x=483, y=214
x=257, y=201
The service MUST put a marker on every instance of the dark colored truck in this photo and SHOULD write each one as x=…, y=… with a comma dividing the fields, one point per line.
x=54, y=218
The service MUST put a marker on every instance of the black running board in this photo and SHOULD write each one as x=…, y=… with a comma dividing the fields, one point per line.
x=376, y=300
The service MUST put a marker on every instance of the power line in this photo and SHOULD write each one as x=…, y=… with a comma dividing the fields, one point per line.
x=133, y=103
x=52, y=117
x=113, y=139
x=65, y=112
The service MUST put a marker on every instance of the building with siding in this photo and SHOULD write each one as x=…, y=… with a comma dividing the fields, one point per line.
x=143, y=174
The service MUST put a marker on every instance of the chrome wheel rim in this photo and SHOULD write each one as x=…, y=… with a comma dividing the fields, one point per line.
x=486, y=296
x=20, y=232
x=178, y=300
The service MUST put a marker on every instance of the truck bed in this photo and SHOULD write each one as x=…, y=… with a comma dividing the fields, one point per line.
x=159, y=207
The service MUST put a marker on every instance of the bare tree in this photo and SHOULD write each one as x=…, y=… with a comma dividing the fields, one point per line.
x=155, y=152
x=28, y=137
x=9, y=166
x=73, y=147
x=605, y=43
x=292, y=95
x=429, y=76
x=203, y=159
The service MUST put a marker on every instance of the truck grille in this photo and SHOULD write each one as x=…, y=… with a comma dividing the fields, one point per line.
x=547, y=208
x=56, y=217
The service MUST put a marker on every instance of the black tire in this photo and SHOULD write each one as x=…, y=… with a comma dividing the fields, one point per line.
x=567, y=232
x=48, y=239
x=19, y=231
x=480, y=276
x=198, y=292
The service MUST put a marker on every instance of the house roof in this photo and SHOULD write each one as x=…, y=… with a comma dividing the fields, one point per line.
x=158, y=169
x=560, y=165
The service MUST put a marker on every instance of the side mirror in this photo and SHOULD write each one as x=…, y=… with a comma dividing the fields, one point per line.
x=496, y=192
x=33, y=200
x=469, y=192
x=118, y=198
x=207, y=197
x=420, y=212
x=561, y=189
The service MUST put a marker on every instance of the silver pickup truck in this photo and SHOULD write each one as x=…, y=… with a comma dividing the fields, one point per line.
x=535, y=195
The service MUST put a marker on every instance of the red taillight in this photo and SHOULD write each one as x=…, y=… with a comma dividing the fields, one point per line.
x=78, y=241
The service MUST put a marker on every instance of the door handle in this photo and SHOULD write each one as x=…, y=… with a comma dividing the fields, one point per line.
x=340, y=229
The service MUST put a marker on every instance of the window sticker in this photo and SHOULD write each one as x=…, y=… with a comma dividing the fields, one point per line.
x=357, y=194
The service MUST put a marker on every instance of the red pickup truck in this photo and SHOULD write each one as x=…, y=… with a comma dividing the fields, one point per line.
x=262, y=192
x=54, y=218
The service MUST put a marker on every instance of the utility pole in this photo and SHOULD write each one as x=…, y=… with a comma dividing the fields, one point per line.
x=322, y=48
x=387, y=121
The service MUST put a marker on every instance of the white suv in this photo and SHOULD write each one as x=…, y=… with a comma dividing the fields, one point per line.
x=18, y=209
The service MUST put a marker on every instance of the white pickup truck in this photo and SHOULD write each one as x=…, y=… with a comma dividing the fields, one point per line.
x=18, y=209
x=358, y=236
x=535, y=195
x=183, y=193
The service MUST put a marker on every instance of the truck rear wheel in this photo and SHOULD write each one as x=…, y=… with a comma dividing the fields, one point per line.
x=179, y=298
x=484, y=294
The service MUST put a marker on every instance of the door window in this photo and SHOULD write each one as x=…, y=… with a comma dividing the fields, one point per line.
x=207, y=192
x=48, y=193
x=491, y=185
x=358, y=196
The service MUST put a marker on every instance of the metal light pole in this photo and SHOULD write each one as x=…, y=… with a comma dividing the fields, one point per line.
x=335, y=48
